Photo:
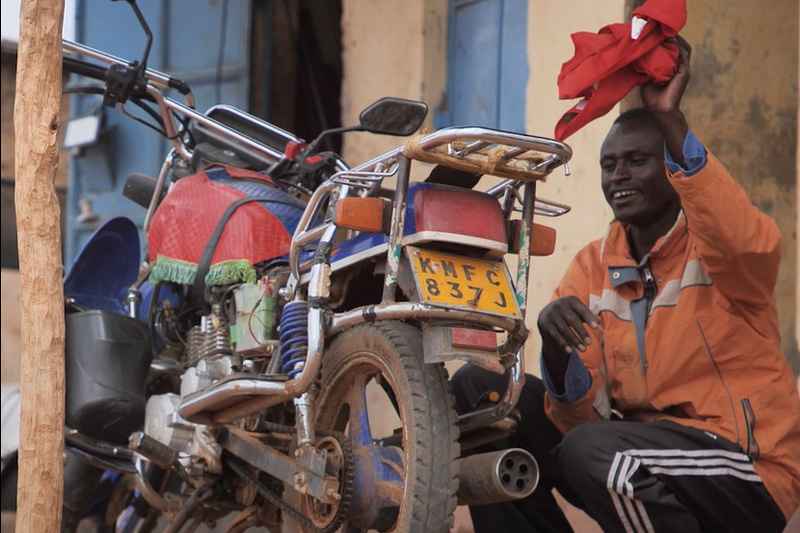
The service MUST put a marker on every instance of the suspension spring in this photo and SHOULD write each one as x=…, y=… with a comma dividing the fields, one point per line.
x=294, y=337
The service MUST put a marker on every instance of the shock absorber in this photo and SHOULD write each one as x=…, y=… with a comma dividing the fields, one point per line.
x=294, y=337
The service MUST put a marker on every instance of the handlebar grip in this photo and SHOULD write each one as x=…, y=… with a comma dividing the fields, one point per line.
x=84, y=68
x=140, y=189
x=179, y=85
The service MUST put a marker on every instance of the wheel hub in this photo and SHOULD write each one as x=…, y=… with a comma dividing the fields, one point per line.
x=378, y=490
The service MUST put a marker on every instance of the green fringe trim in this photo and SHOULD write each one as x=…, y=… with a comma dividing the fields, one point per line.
x=231, y=272
x=166, y=269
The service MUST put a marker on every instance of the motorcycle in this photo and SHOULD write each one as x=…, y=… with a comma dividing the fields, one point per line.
x=275, y=349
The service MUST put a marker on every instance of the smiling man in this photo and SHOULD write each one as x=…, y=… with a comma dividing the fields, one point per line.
x=665, y=402
x=634, y=181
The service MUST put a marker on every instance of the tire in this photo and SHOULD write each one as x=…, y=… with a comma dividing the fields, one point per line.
x=423, y=495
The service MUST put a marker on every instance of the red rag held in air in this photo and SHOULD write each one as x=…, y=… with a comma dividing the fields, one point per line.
x=608, y=64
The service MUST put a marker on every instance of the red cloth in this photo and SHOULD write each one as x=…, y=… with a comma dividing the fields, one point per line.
x=609, y=63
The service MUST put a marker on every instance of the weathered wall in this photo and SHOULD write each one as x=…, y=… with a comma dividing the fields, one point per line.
x=382, y=58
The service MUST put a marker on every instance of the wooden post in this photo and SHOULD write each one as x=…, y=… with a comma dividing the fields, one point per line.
x=37, y=121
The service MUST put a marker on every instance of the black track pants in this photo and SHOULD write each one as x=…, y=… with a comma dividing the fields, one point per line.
x=631, y=477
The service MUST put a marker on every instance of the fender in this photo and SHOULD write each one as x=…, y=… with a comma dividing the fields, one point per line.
x=106, y=267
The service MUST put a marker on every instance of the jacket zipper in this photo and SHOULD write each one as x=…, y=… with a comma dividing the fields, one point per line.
x=649, y=291
x=650, y=288
x=753, y=449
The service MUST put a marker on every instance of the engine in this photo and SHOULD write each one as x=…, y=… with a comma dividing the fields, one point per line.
x=239, y=334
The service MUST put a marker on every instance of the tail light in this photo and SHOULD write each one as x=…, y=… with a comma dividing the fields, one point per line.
x=458, y=216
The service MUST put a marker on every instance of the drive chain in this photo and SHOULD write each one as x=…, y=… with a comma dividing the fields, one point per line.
x=347, y=478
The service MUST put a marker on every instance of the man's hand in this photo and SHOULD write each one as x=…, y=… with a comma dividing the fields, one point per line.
x=660, y=99
x=562, y=327
x=664, y=102
x=561, y=324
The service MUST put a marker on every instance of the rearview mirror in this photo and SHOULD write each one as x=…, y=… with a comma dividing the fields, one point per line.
x=394, y=116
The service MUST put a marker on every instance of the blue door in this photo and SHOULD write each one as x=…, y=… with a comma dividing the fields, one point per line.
x=487, y=70
x=203, y=42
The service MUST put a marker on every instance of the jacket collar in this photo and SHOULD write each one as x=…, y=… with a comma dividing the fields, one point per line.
x=615, y=250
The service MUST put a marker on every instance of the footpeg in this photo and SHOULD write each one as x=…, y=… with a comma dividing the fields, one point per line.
x=154, y=450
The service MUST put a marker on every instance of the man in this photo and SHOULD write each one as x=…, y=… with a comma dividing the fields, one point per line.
x=661, y=356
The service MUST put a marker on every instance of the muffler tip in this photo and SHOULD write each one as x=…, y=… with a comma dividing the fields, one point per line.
x=499, y=476
x=518, y=472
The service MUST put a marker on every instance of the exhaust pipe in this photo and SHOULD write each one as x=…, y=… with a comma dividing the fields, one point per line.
x=499, y=476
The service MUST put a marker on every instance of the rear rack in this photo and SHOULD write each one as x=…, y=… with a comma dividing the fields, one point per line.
x=492, y=152
x=516, y=157
x=480, y=150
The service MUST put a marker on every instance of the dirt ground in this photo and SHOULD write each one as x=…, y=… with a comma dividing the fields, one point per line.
x=580, y=522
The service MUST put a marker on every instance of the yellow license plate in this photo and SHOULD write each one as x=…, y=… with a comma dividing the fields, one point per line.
x=466, y=283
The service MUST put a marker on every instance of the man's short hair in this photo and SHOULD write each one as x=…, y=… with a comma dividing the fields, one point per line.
x=632, y=114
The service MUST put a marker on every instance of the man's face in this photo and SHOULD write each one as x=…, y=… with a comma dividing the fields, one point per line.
x=634, y=180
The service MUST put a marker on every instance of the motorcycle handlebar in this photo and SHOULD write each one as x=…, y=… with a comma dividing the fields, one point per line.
x=150, y=85
x=84, y=68
x=149, y=76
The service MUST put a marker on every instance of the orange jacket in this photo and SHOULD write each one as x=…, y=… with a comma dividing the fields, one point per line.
x=709, y=356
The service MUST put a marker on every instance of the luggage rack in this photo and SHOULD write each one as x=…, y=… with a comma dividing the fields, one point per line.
x=518, y=158
x=491, y=152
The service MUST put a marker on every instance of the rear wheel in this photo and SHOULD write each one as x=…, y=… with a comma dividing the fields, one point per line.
x=399, y=416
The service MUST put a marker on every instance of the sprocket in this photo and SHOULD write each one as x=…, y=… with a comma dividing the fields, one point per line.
x=324, y=515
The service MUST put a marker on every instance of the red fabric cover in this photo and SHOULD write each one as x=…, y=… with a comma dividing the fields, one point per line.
x=609, y=63
x=184, y=222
